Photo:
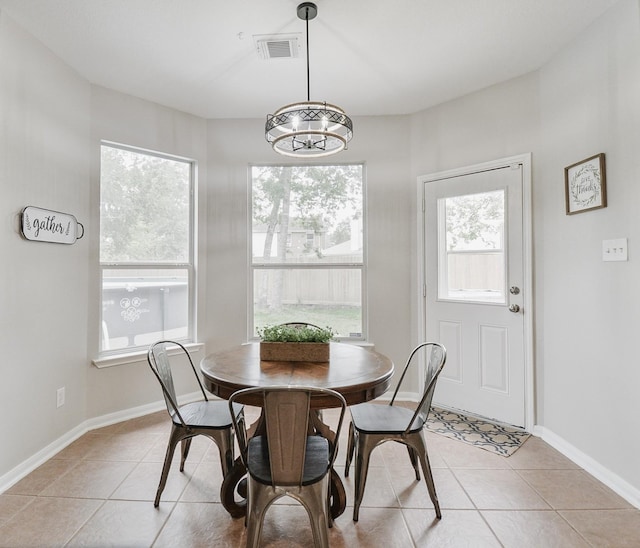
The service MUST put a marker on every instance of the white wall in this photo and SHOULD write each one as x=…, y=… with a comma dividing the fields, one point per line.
x=124, y=119
x=584, y=101
x=380, y=142
x=589, y=310
x=44, y=161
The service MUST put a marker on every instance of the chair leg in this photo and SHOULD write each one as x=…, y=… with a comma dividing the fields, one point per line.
x=174, y=438
x=186, y=445
x=258, y=500
x=350, y=449
x=428, y=477
x=317, y=507
x=363, y=452
x=413, y=456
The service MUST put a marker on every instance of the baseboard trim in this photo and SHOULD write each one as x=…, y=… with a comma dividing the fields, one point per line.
x=617, y=484
x=14, y=475
x=623, y=488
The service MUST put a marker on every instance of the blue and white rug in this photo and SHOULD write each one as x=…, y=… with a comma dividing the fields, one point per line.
x=495, y=437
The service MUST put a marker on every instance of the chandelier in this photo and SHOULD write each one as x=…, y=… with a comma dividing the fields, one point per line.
x=308, y=129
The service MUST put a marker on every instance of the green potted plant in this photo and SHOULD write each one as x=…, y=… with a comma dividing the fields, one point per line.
x=295, y=342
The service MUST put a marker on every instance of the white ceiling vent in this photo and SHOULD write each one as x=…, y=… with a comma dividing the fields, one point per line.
x=277, y=46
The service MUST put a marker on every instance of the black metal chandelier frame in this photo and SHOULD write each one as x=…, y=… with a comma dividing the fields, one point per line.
x=308, y=129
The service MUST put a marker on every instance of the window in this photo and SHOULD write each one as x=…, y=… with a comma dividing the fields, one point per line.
x=308, y=247
x=146, y=248
x=472, y=257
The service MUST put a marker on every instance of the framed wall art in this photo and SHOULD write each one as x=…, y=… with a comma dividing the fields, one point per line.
x=585, y=185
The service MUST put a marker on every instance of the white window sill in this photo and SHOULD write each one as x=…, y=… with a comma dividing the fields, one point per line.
x=136, y=357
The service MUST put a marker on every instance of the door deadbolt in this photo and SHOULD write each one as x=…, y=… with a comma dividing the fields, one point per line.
x=514, y=308
x=514, y=290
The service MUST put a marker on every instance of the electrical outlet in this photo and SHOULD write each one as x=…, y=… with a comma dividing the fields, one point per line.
x=614, y=250
x=60, y=397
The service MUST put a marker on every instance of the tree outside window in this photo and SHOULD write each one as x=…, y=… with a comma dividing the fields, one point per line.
x=145, y=248
x=308, y=246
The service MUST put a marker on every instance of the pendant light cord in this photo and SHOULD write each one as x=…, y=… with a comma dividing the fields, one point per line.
x=306, y=18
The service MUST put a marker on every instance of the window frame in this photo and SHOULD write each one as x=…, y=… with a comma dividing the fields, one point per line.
x=258, y=265
x=189, y=266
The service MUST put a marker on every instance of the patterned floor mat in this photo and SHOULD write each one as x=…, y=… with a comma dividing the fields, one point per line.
x=495, y=437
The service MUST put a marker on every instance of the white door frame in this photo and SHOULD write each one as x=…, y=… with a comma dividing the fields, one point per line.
x=527, y=253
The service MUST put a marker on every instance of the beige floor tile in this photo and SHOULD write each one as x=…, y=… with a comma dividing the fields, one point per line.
x=79, y=448
x=122, y=523
x=201, y=525
x=158, y=423
x=47, y=522
x=112, y=429
x=414, y=494
x=499, y=490
x=90, y=479
x=572, y=490
x=396, y=455
x=200, y=446
x=129, y=446
x=377, y=527
x=606, y=528
x=533, y=529
x=378, y=491
x=10, y=505
x=205, y=484
x=456, y=529
x=91, y=494
x=458, y=454
x=42, y=477
x=143, y=481
x=158, y=451
x=536, y=454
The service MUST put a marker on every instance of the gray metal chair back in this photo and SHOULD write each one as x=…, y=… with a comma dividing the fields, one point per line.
x=158, y=358
x=373, y=424
x=208, y=418
x=286, y=415
x=286, y=458
x=300, y=324
x=434, y=357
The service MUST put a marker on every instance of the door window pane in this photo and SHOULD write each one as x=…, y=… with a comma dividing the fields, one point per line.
x=472, y=256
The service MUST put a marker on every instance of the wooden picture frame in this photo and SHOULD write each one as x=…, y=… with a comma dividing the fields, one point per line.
x=585, y=185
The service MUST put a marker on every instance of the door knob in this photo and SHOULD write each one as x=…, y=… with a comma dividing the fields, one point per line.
x=514, y=308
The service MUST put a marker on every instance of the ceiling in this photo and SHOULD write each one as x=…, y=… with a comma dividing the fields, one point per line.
x=370, y=57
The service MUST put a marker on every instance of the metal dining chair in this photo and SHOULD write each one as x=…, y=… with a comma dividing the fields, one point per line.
x=300, y=324
x=373, y=424
x=207, y=418
x=285, y=457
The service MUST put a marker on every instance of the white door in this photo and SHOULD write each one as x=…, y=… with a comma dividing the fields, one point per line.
x=474, y=290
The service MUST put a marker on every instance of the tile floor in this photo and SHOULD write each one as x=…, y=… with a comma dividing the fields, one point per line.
x=98, y=492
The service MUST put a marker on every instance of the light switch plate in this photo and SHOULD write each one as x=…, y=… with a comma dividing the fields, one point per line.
x=614, y=250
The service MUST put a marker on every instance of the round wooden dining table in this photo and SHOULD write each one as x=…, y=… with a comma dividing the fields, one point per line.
x=358, y=373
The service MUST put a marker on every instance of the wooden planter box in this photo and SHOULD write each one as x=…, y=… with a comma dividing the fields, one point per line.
x=294, y=352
